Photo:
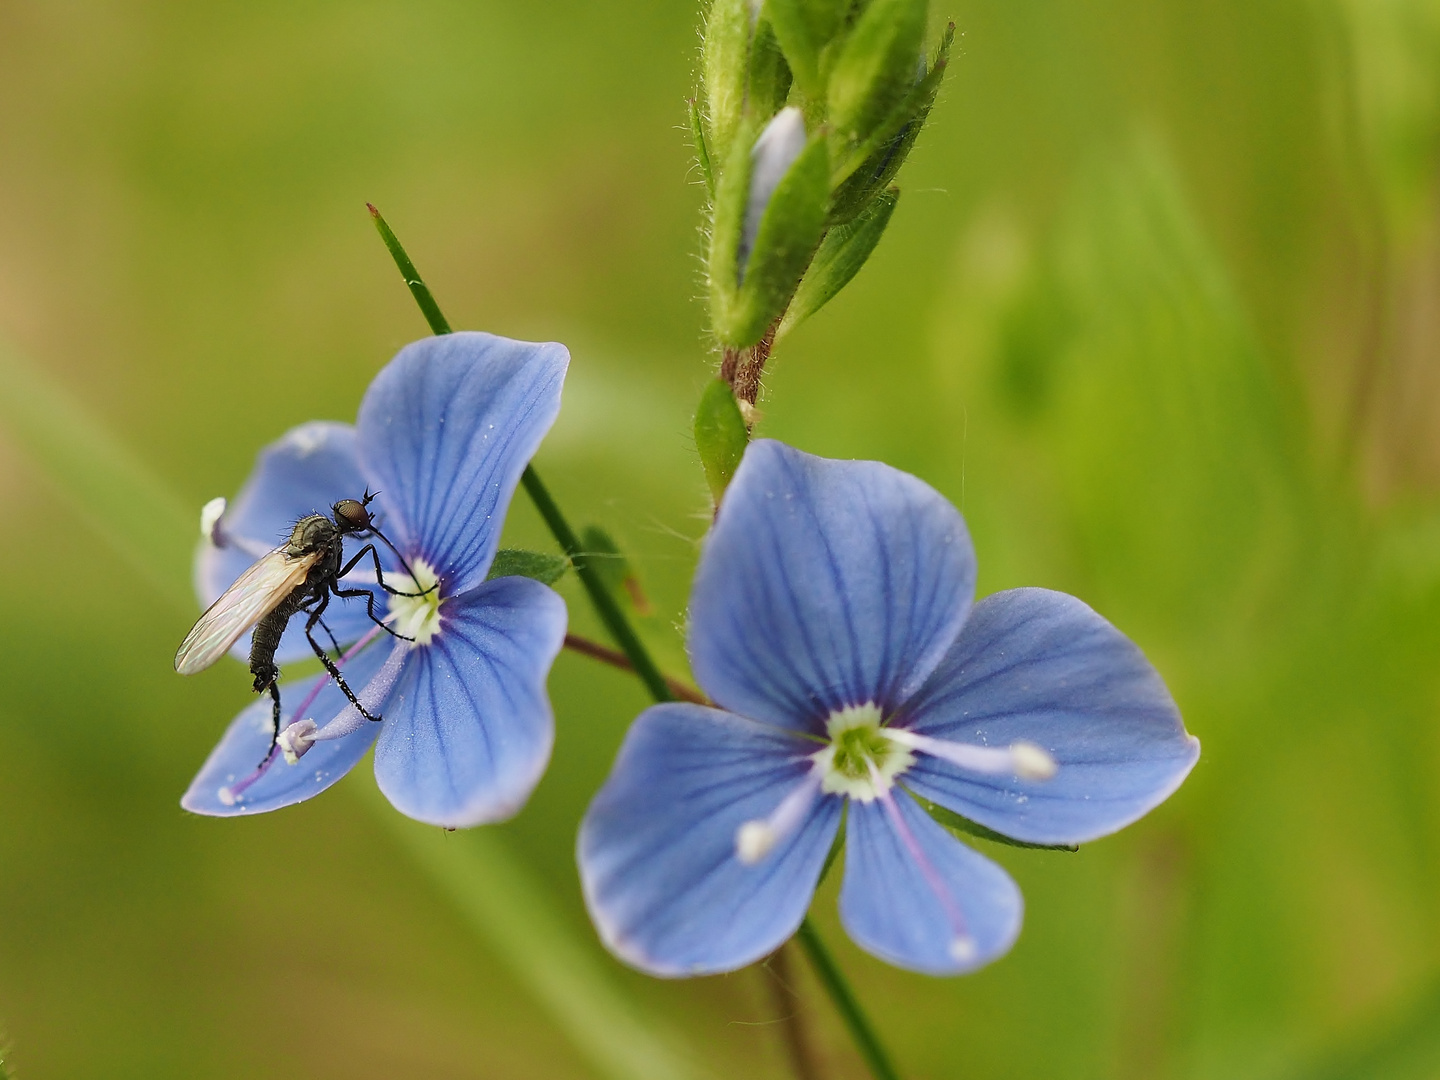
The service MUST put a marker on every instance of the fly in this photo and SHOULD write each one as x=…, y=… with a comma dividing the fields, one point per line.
x=298, y=576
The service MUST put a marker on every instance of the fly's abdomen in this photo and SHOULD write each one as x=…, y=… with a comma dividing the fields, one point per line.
x=266, y=640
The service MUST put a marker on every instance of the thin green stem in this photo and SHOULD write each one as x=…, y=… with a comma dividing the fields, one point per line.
x=844, y=998
x=603, y=599
x=600, y=596
x=418, y=289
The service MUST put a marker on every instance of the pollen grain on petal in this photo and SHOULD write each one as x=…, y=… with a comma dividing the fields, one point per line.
x=753, y=841
x=1032, y=762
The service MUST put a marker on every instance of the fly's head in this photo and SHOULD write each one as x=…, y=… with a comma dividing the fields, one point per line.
x=352, y=516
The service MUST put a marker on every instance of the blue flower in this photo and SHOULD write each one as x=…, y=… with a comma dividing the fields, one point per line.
x=443, y=434
x=832, y=623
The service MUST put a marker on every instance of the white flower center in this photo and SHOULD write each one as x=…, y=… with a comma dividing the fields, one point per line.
x=416, y=616
x=861, y=760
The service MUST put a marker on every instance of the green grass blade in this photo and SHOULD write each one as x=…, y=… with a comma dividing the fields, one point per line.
x=104, y=482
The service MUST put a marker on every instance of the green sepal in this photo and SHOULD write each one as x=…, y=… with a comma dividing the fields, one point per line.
x=724, y=67
x=955, y=823
x=702, y=150
x=842, y=253
x=787, y=238
x=727, y=222
x=517, y=562
x=868, y=168
x=769, y=73
x=791, y=22
x=875, y=68
x=720, y=435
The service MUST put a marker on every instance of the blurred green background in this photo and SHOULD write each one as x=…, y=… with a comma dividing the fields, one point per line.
x=1159, y=308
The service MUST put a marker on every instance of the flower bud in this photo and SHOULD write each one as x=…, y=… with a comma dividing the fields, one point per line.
x=876, y=66
x=774, y=152
x=770, y=208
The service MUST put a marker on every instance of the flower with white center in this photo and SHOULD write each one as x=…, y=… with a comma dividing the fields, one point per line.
x=443, y=434
x=832, y=623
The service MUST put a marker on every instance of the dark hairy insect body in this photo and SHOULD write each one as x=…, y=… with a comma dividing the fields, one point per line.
x=272, y=592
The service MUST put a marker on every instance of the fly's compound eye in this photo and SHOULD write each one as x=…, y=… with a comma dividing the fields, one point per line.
x=351, y=515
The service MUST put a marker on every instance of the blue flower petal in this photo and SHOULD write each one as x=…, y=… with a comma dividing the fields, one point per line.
x=911, y=913
x=468, y=728
x=446, y=429
x=825, y=584
x=1041, y=666
x=657, y=846
x=305, y=472
x=248, y=738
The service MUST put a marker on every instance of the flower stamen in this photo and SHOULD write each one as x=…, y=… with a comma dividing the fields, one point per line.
x=962, y=948
x=757, y=838
x=1021, y=758
x=860, y=761
x=417, y=615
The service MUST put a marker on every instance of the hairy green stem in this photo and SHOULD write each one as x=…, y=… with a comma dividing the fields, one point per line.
x=600, y=596
x=844, y=999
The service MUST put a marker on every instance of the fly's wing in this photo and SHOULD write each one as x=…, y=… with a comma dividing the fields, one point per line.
x=256, y=593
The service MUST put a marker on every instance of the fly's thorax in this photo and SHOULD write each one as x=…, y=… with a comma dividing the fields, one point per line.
x=310, y=534
x=416, y=610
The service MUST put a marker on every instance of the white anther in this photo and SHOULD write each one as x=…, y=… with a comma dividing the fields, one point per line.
x=753, y=841
x=1031, y=762
x=963, y=950
x=226, y=796
x=1021, y=758
x=757, y=838
x=296, y=739
x=210, y=515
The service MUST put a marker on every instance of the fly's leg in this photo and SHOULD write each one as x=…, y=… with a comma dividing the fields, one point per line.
x=330, y=664
x=370, y=607
x=274, y=719
x=369, y=549
x=331, y=635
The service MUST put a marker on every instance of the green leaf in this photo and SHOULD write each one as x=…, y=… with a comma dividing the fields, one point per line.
x=875, y=68
x=769, y=74
x=516, y=562
x=842, y=253
x=702, y=151
x=724, y=67
x=789, y=233
x=720, y=436
x=792, y=29
x=604, y=554
x=955, y=823
x=868, y=168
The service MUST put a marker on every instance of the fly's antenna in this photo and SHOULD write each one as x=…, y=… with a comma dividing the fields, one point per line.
x=403, y=563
